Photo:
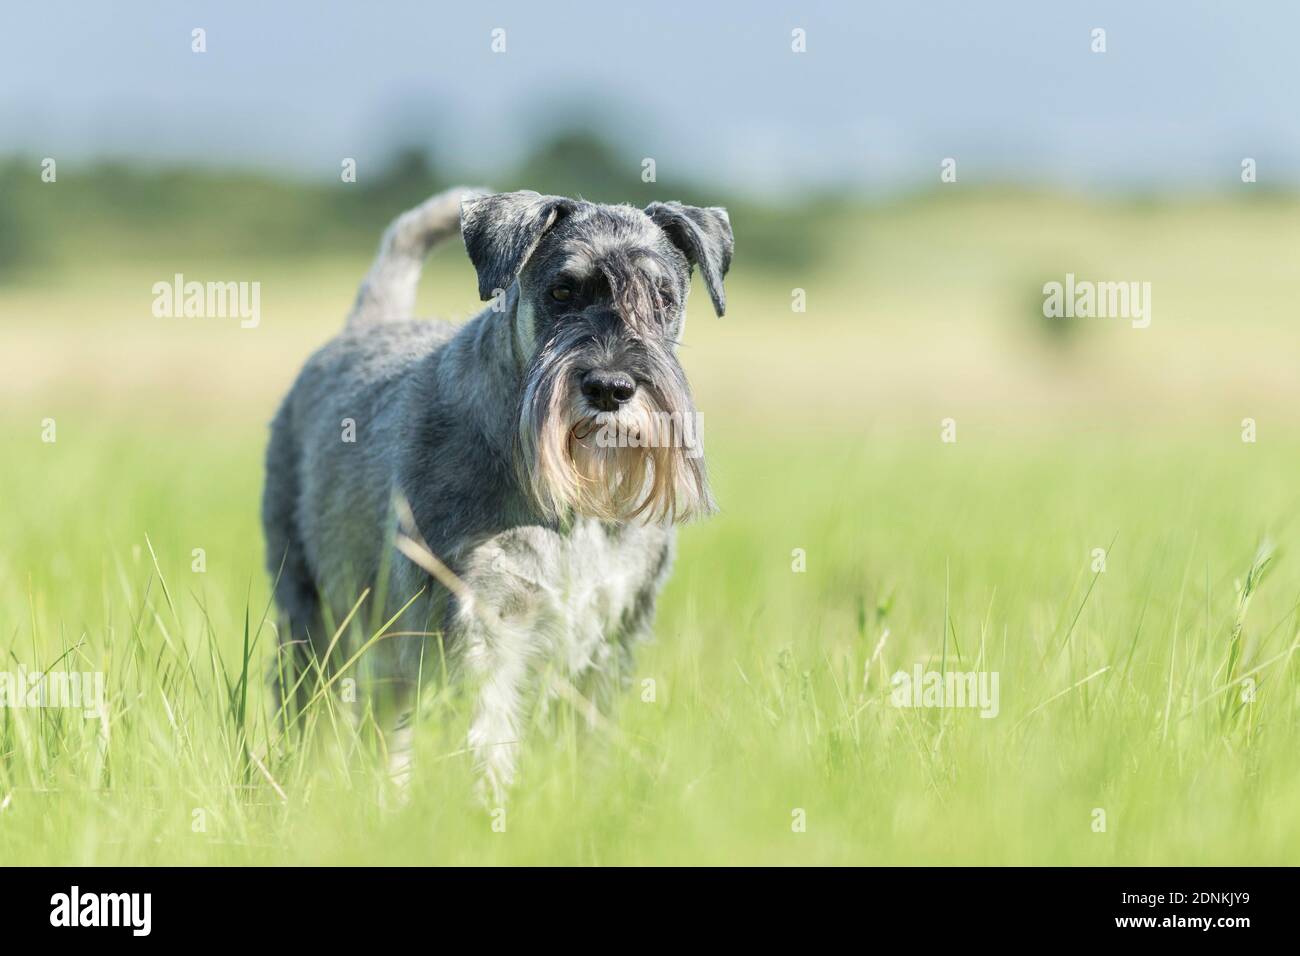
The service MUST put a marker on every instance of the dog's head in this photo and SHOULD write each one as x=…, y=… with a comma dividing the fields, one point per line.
x=607, y=427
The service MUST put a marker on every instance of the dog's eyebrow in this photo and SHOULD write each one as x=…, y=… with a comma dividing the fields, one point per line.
x=649, y=262
x=578, y=265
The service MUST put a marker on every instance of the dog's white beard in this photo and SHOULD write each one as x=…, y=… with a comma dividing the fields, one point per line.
x=638, y=463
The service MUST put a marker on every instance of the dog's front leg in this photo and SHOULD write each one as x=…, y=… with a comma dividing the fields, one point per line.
x=496, y=663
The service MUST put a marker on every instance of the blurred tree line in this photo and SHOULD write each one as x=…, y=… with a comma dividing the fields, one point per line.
x=113, y=209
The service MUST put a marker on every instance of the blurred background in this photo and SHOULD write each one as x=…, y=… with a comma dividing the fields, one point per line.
x=869, y=301
x=921, y=295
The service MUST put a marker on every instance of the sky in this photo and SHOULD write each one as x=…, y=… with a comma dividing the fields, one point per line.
x=712, y=91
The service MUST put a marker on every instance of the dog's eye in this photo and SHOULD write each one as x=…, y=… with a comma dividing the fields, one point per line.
x=561, y=293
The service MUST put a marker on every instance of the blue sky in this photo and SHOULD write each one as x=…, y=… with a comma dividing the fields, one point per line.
x=710, y=90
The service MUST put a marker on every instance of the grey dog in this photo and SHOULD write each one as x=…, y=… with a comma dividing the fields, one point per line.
x=509, y=485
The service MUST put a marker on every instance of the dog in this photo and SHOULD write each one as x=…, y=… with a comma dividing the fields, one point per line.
x=505, y=490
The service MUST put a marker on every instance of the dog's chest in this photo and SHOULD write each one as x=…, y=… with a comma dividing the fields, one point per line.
x=571, y=597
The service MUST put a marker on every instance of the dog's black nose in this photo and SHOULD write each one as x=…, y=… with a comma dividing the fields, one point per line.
x=608, y=390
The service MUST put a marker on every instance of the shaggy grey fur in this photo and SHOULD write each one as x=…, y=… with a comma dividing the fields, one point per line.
x=457, y=420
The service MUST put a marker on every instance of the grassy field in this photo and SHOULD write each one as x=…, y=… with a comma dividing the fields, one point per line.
x=1158, y=696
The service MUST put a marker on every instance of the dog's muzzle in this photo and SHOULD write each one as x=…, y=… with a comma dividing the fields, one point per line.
x=597, y=440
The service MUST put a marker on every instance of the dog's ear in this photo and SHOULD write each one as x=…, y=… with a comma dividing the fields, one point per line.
x=704, y=237
x=501, y=231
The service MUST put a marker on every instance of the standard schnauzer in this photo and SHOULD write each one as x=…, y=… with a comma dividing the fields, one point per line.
x=508, y=485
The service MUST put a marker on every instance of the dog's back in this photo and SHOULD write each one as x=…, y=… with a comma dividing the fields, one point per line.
x=341, y=423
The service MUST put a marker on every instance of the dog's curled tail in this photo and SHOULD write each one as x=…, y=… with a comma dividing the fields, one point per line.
x=388, y=290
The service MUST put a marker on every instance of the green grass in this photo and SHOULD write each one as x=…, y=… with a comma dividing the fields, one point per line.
x=765, y=698
x=1120, y=691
